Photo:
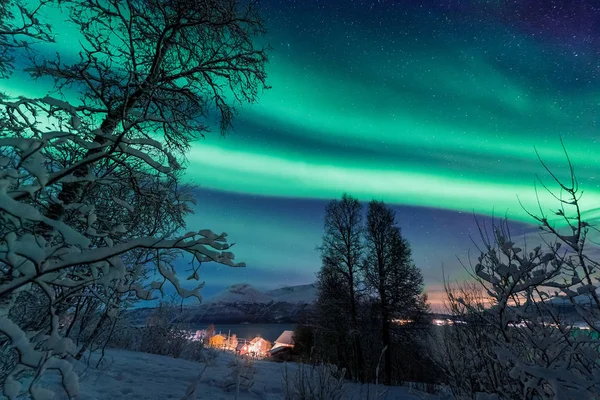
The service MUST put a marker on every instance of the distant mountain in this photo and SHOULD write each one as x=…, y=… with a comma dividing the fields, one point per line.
x=562, y=300
x=295, y=294
x=241, y=292
x=244, y=303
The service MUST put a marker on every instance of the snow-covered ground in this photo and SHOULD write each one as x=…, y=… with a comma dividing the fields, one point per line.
x=132, y=375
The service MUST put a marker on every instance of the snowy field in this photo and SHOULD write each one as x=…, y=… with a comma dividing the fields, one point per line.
x=132, y=375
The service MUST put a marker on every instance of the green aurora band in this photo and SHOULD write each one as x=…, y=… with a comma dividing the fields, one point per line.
x=439, y=114
x=458, y=147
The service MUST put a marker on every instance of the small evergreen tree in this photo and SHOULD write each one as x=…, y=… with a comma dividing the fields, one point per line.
x=211, y=331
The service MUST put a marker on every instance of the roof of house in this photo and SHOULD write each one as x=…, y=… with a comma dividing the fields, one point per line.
x=240, y=346
x=287, y=337
x=279, y=349
x=258, y=339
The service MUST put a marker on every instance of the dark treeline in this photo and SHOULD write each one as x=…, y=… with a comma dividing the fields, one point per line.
x=370, y=306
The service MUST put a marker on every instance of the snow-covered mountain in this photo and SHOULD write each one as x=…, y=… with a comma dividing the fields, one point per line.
x=295, y=294
x=241, y=292
x=563, y=300
x=244, y=303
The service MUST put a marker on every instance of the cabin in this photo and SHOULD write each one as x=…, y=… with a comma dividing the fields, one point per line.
x=241, y=348
x=259, y=347
x=281, y=353
x=285, y=339
x=283, y=345
x=217, y=341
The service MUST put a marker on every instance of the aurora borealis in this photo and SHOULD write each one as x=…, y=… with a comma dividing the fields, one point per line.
x=430, y=107
x=435, y=108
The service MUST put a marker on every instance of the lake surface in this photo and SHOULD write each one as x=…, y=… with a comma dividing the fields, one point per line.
x=269, y=332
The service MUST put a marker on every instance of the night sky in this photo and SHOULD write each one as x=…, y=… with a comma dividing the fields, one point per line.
x=434, y=107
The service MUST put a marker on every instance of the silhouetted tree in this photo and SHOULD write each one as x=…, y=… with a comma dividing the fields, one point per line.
x=339, y=279
x=211, y=331
x=390, y=274
x=19, y=27
x=304, y=337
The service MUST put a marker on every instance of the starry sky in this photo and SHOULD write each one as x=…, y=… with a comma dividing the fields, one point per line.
x=434, y=107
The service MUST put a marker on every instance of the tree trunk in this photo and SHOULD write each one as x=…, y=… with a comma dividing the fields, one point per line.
x=72, y=192
x=386, y=339
x=356, y=337
x=92, y=337
x=75, y=315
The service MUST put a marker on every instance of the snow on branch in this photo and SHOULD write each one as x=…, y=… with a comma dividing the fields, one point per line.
x=77, y=208
x=544, y=320
x=91, y=200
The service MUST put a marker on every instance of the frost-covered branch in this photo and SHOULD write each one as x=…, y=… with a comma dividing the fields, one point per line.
x=92, y=207
x=545, y=307
x=19, y=27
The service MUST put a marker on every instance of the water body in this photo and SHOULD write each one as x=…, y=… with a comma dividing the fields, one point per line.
x=269, y=332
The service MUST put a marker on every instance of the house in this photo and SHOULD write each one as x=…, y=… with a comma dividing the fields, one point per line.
x=217, y=341
x=242, y=348
x=283, y=345
x=259, y=347
x=281, y=353
x=285, y=339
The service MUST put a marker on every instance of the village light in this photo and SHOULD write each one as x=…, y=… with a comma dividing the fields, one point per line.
x=402, y=321
x=257, y=347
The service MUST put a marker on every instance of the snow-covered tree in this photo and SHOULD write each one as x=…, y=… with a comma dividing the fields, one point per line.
x=241, y=376
x=91, y=199
x=545, y=305
x=465, y=351
x=19, y=28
